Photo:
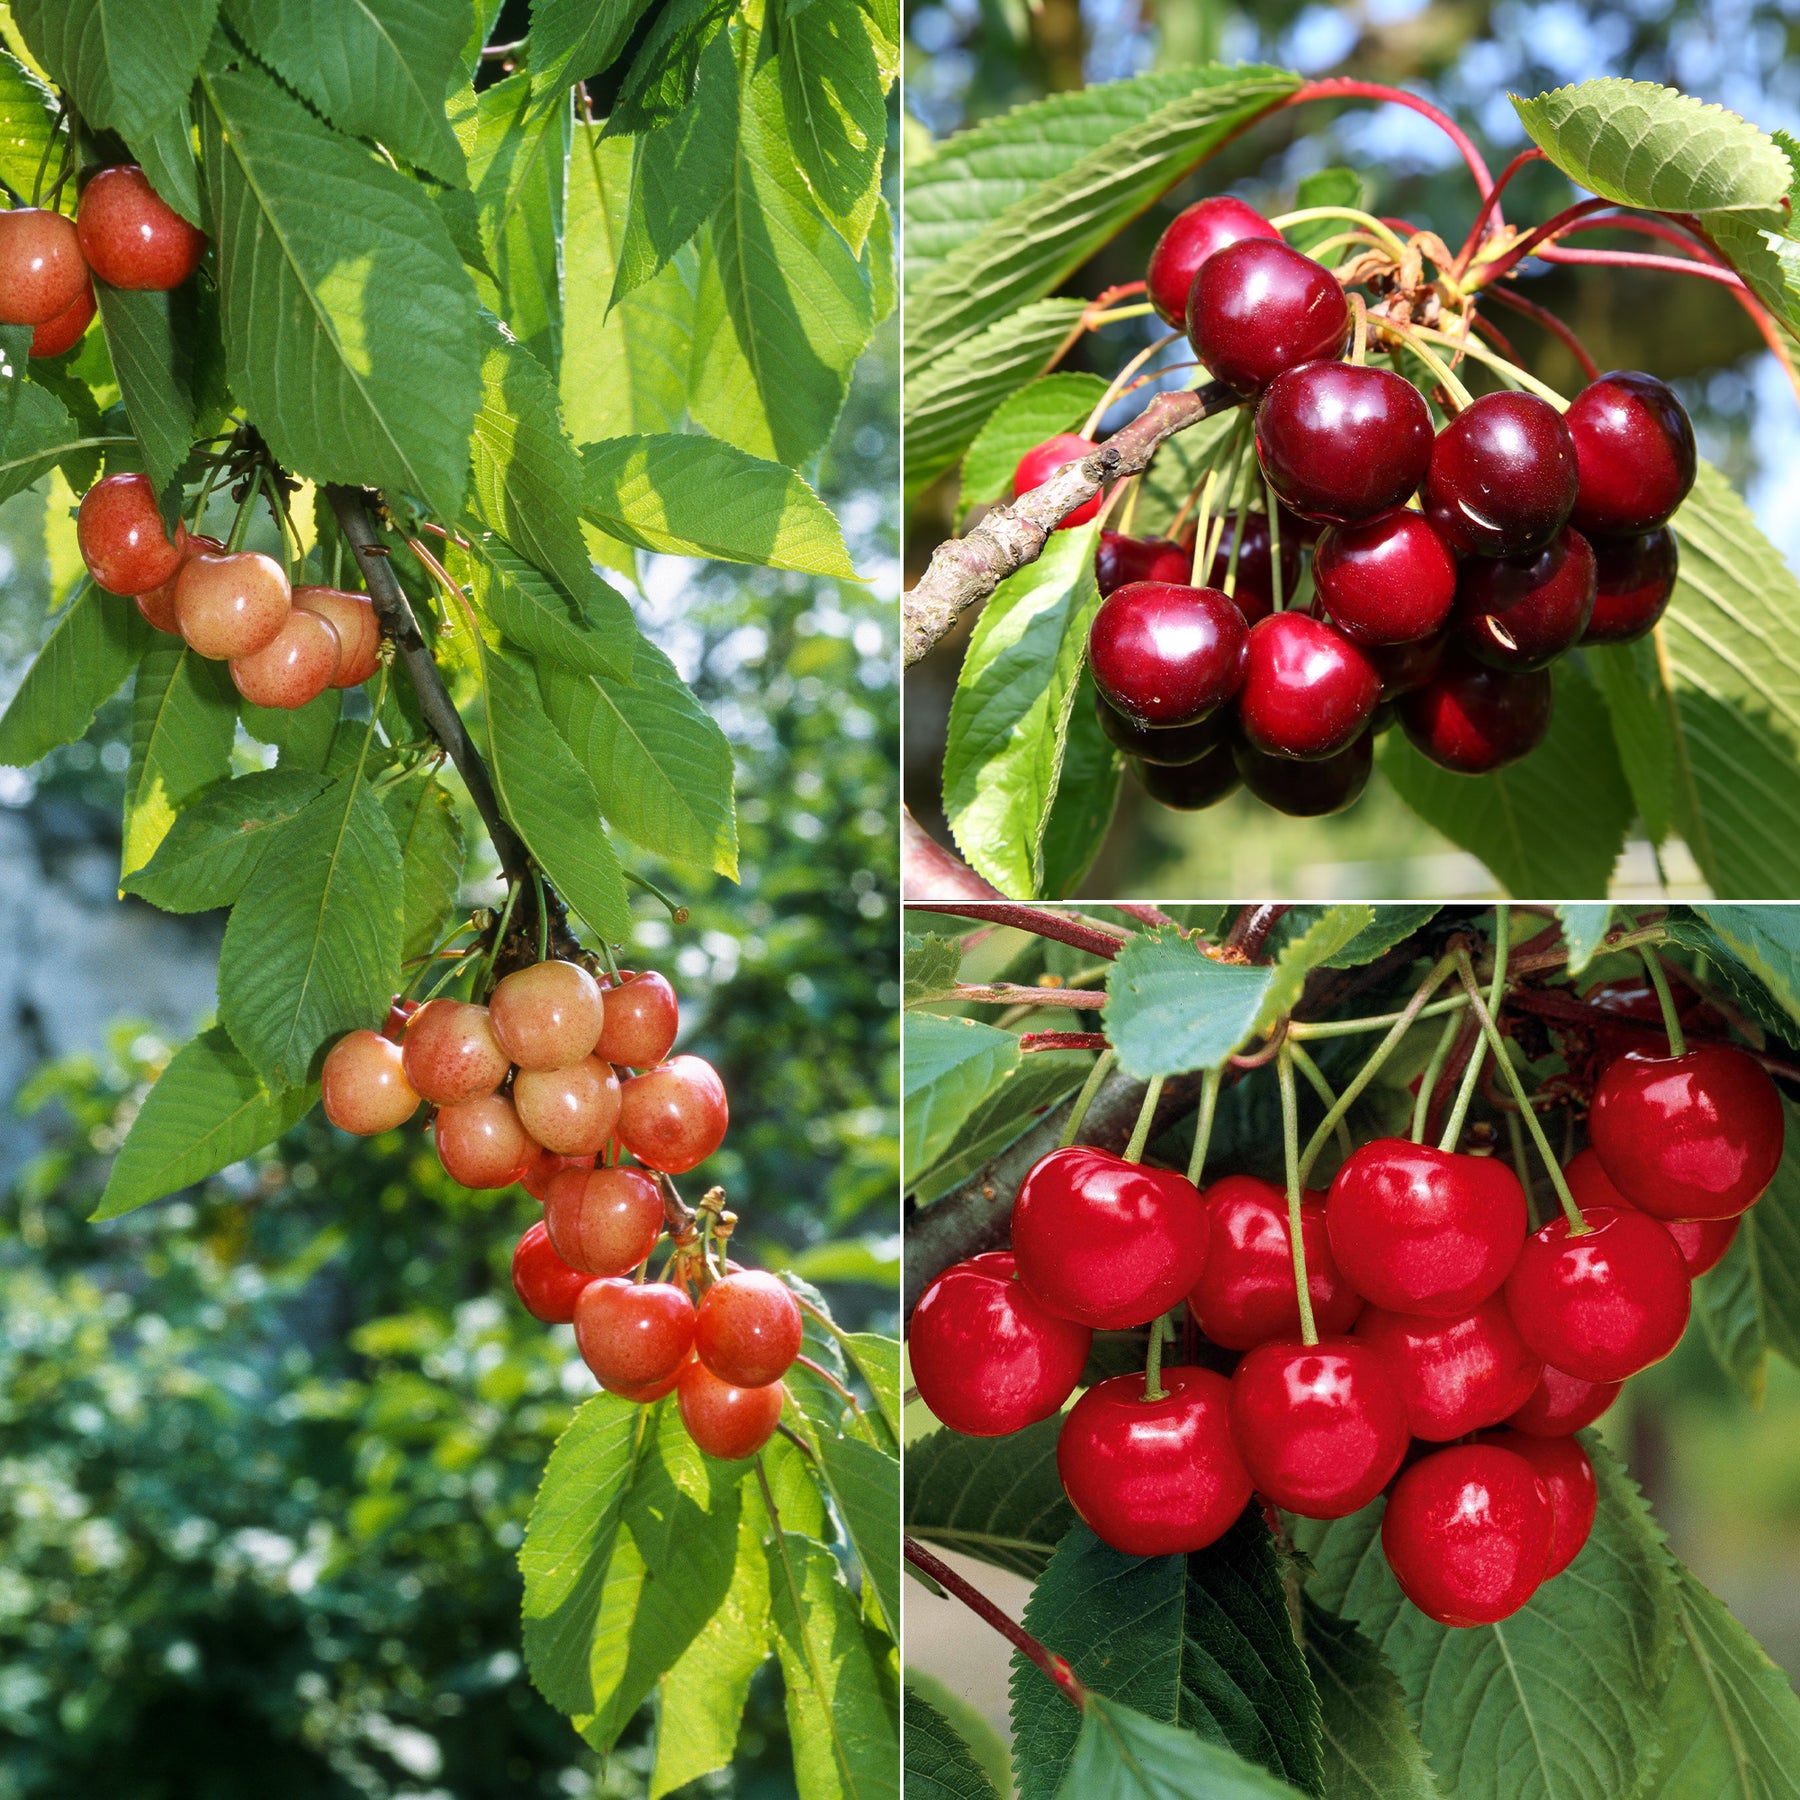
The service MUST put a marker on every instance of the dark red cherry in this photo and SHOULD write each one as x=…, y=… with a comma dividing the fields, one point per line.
x=1165, y=745
x=988, y=1359
x=1308, y=691
x=1390, y=580
x=1457, y=1375
x=1106, y=1242
x=1467, y=1533
x=1253, y=593
x=1523, y=612
x=1404, y=667
x=1688, y=1137
x=1245, y=1292
x=1560, y=1404
x=1321, y=1427
x=1166, y=655
x=1702, y=1242
x=1042, y=461
x=1473, y=720
x=1341, y=442
x=1154, y=1477
x=1633, y=579
x=1416, y=1229
x=1634, y=998
x=1191, y=237
x=1606, y=1303
x=1257, y=308
x=1634, y=447
x=1502, y=476
x=1194, y=786
x=1568, y=1477
x=1308, y=790
x=1120, y=559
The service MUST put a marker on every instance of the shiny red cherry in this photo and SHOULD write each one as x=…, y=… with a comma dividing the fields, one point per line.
x=1564, y=1468
x=1523, y=612
x=1421, y=1230
x=1502, y=476
x=42, y=270
x=988, y=1359
x=1388, y=580
x=1467, y=1533
x=1633, y=580
x=1154, y=1477
x=632, y=1333
x=1563, y=1403
x=1634, y=447
x=1308, y=790
x=131, y=236
x=1404, y=668
x=1119, y=559
x=1253, y=592
x=1042, y=461
x=1341, y=442
x=1321, y=1427
x=1245, y=1293
x=547, y=1287
x=1192, y=786
x=1106, y=1242
x=1166, y=745
x=119, y=531
x=1473, y=720
x=1257, y=308
x=1164, y=654
x=1688, y=1137
x=1702, y=1242
x=1604, y=1304
x=1308, y=691
x=1189, y=239
x=67, y=329
x=1457, y=1375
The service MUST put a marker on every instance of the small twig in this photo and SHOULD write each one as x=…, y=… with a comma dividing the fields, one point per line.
x=1015, y=993
x=1146, y=914
x=1058, y=927
x=1250, y=930
x=1060, y=1040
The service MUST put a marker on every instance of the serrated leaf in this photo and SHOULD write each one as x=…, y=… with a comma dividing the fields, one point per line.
x=833, y=93
x=997, y=1499
x=877, y=1361
x=166, y=155
x=1766, y=940
x=572, y=40
x=27, y=123
x=207, y=1110
x=1583, y=927
x=149, y=336
x=538, y=614
x=1728, y=1308
x=97, y=642
x=951, y=1066
x=932, y=966
x=939, y=1764
x=1045, y=1078
x=865, y=1484
x=1371, y=1751
x=1054, y=403
x=660, y=82
x=301, y=736
x=1759, y=245
x=183, y=721
x=1087, y=795
x=216, y=841
x=1391, y=925
x=1121, y=1755
x=429, y=832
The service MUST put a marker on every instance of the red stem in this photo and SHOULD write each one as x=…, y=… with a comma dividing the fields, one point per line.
x=1495, y=336
x=1145, y=914
x=929, y=871
x=1345, y=87
x=1061, y=1040
x=1554, y=226
x=1250, y=930
x=1636, y=259
x=1489, y=202
x=1511, y=297
x=1027, y=918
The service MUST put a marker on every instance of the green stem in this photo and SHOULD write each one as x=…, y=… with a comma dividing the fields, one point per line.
x=500, y=924
x=1337, y=1028
x=1203, y=1125
x=1670, y=1011
x=1078, y=1112
x=1274, y=507
x=1433, y=1073
x=1153, y=1387
x=1322, y=1088
x=1515, y=1138
x=543, y=913
x=240, y=526
x=1464, y=1095
x=677, y=911
x=1140, y=1132
x=1290, y=1147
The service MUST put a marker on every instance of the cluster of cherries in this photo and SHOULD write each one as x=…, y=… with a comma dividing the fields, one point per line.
x=527, y=1089
x=1456, y=1350
x=1535, y=531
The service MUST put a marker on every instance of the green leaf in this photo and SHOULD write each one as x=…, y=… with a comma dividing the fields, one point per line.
x=124, y=64
x=1121, y=1755
x=686, y=494
x=1630, y=681
x=1045, y=1078
x=27, y=123
x=1325, y=187
x=1728, y=1306
x=1766, y=940
x=1054, y=403
x=216, y=842
x=1649, y=146
x=429, y=833
x=206, y=1111
x=36, y=432
x=374, y=68
x=865, y=1484
x=661, y=80
x=1087, y=795
x=1200, y=1641
x=149, y=336
x=952, y=1065
x=1371, y=1750
x=877, y=1361
x=166, y=155
x=538, y=614
x=832, y=89
x=183, y=722
x=939, y=1765
x=1759, y=245
x=96, y=643
x=351, y=331
x=574, y=39
x=302, y=736
x=933, y=965
x=1583, y=927
x=997, y=1499
x=1391, y=925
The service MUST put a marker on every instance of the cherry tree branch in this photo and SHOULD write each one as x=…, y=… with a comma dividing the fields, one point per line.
x=1061, y=927
x=930, y=872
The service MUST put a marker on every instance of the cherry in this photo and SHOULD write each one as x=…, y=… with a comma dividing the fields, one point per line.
x=1457, y=1375
x=1403, y=668
x=1166, y=745
x=296, y=665
x=1190, y=238
x=1308, y=691
x=641, y=1021
x=1322, y=1427
x=1154, y=1477
x=1702, y=1242
x=1421, y=1230
x=1633, y=580
x=673, y=1115
x=1634, y=447
x=547, y=1287
x=1473, y=720
x=631, y=1333
x=67, y=329
x=1166, y=655
x=353, y=618
x=451, y=1052
x=988, y=1359
x=547, y=1016
x=119, y=531
x=653, y=1390
x=1340, y=442
x=1245, y=1292
x=1042, y=461
x=1568, y=1477
x=481, y=1142
x=1253, y=593
x=604, y=1221
x=1308, y=790
x=231, y=605
x=1523, y=612
x=157, y=604
x=42, y=270
x=544, y=1169
x=1258, y=307
x=1605, y=1304
x=1688, y=1137
x=748, y=1329
x=1467, y=1533
x=1635, y=998
x=728, y=1422
x=1120, y=559
x=1193, y=786
x=1502, y=476
x=1563, y=1403
x=363, y=1085
x=572, y=1111
x=1388, y=580
x=131, y=237
x=1106, y=1242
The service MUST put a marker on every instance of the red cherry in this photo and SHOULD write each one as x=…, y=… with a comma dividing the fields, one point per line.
x=1473, y=720
x=653, y=1390
x=1702, y=1242
x=1467, y=1533
x=1166, y=745
x=1389, y=580
x=353, y=618
x=1165, y=655
x=1688, y=1137
x=119, y=531
x=631, y=1333
x=1308, y=790
x=131, y=236
x=544, y=1169
x=66, y=330
x=1190, y=238
x=1154, y=1477
x=1633, y=580
x=603, y=1221
x=1120, y=559
x=1568, y=1477
x=1257, y=308
x=1322, y=1427
x=572, y=1111
x=1042, y=461
x=1253, y=593
x=42, y=270
x=1523, y=612
x=1245, y=1293
x=1634, y=447
x=1420, y=1230
x=1635, y=998
x=1192, y=786
x=451, y=1053
x=231, y=605
x=1106, y=1242
x=547, y=1016
x=748, y=1329
x=728, y=1422
x=296, y=665
x=1341, y=443
x=1308, y=691
x=363, y=1085
x=157, y=604
x=641, y=1021
x=1502, y=476
x=1457, y=1375
x=481, y=1143
x=1605, y=1304
x=674, y=1115
x=547, y=1287
x=987, y=1357
x=1404, y=668
x=1563, y=1403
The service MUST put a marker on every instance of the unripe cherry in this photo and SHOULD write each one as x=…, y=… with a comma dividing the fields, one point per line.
x=119, y=531
x=353, y=618
x=728, y=1422
x=674, y=1115
x=605, y=1221
x=748, y=1329
x=641, y=1021
x=296, y=665
x=42, y=270
x=66, y=330
x=481, y=1142
x=233, y=604
x=451, y=1052
x=572, y=1111
x=631, y=1333
x=547, y=1287
x=547, y=1016
x=363, y=1085
x=131, y=236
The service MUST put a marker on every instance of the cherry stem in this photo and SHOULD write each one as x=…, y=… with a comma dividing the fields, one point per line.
x=1359, y=340
x=1558, y=328
x=1030, y=1041
x=1153, y=1387
x=678, y=913
x=1434, y=1070
x=1467, y=347
x=1120, y=381
x=1666, y=1000
x=1369, y=226
x=1290, y=1148
x=1140, y=1132
x=514, y=884
x=1465, y=1094
x=240, y=526
x=1078, y=1113
x=1414, y=336
x=831, y=1381
x=1277, y=601
x=1321, y=1087
x=1202, y=520
x=1059, y=928
x=1515, y=253
x=1489, y=201
x=1336, y=1028
x=1515, y=1138
x=1345, y=87
x=1203, y=1123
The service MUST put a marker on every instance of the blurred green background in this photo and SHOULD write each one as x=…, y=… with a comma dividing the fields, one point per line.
x=967, y=59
